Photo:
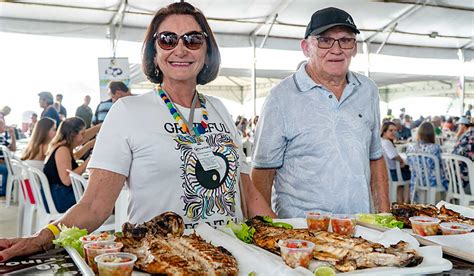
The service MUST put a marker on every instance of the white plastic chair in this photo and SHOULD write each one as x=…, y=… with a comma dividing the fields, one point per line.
x=12, y=179
x=39, y=164
x=455, y=188
x=422, y=182
x=78, y=184
x=17, y=168
x=393, y=185
x=27, y=201
x=39, y=181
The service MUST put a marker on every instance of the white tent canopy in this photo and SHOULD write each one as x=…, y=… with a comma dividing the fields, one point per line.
x=438, y=29
x=426, y=29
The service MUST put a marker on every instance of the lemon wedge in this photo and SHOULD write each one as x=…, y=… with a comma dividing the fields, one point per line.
x=324, y=271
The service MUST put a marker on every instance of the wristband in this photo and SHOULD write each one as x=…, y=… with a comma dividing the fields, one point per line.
x=54, y=229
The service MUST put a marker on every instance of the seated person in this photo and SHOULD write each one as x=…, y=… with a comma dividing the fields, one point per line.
x=465, y=147
x=60, y=159
x=7, y=139
x=463, y=126
x=389, y=135
x=35, y=151
x=426, y=144
x=403, y=133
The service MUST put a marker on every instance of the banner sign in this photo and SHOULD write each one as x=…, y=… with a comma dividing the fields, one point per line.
x=112, y=69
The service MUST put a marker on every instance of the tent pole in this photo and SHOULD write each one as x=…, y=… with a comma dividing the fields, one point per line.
x=366, y=51
x=461, y=85
x=253, y=42
x=117, y=19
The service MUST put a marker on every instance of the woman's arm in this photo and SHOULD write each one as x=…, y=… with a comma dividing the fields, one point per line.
x=63, y=164
x=256, y=204
x=90, y=212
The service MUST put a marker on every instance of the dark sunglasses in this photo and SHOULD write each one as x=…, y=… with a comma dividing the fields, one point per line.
x=169, y=40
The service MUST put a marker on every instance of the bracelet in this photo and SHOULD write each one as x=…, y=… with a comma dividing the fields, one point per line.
x=54, y=229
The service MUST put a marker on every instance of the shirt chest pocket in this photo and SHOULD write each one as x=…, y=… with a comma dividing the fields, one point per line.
x=358, y=124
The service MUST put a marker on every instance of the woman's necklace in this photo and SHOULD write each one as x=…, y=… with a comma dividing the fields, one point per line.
x=200, y=128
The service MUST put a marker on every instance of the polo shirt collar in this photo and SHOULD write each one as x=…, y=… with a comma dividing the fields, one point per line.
x=353, y=79
x=305, y=83
x=302, y=80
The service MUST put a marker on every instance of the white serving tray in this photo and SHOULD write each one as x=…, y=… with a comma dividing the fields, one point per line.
x=253, y=258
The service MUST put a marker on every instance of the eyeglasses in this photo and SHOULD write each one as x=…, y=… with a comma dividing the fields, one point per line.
x=328, y=42
x=169, y=40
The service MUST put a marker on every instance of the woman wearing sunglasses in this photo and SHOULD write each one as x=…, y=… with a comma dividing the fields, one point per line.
x=175, y=148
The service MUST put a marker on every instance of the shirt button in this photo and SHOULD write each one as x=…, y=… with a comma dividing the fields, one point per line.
x=330, y=96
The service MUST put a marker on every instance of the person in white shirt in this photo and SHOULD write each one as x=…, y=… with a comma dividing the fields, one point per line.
x=194, y=169
x=388, y=134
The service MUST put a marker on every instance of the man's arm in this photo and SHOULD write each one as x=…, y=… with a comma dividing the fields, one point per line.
x=379, y=185
x=263, y=181
x=254, y=201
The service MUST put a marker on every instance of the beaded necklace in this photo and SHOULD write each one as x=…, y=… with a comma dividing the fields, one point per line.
x=200, y=129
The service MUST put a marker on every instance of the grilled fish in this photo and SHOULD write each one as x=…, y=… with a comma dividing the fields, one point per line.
x=403, y=212
x=344, y=253
x=161, y=248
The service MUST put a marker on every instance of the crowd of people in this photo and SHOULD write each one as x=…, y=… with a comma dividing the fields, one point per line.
x=56, y=141
x=427, y=135
x=317, y=143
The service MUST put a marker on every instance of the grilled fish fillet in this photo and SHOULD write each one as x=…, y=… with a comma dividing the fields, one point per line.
x=345, y=253
x=161, y=248
x=403, y=212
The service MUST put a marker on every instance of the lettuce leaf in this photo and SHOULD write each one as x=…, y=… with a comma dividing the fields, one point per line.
x=70, y=236
x=386, y=220
x=242, y=231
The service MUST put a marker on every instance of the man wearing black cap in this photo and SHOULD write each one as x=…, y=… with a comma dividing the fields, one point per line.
x=46, y=101
x=318, y=139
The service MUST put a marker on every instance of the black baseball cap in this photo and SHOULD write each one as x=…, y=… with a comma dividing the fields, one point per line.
x=327, y=18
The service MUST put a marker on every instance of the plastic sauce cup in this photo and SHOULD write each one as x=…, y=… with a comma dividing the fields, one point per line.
x=318, y=220
x=296, y=252
x=95, y=249
x=102, y=237
x=115, y=264
x=424, y=226
x=455, y=228
x=343, y=224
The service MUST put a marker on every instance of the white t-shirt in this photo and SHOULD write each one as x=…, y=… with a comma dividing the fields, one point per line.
x=390, y=152
x=141, y=140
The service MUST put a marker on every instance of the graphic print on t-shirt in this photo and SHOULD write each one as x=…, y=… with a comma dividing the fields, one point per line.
x=209, y=192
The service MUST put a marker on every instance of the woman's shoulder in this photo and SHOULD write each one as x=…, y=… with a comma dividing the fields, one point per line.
x=144, y=97
x=217, y=104
x=386, y=141
x=412, y=147
x=431, y=148
x=214, y=100
x=61, y=150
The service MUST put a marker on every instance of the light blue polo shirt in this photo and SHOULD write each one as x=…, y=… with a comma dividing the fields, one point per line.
x=321, y=147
